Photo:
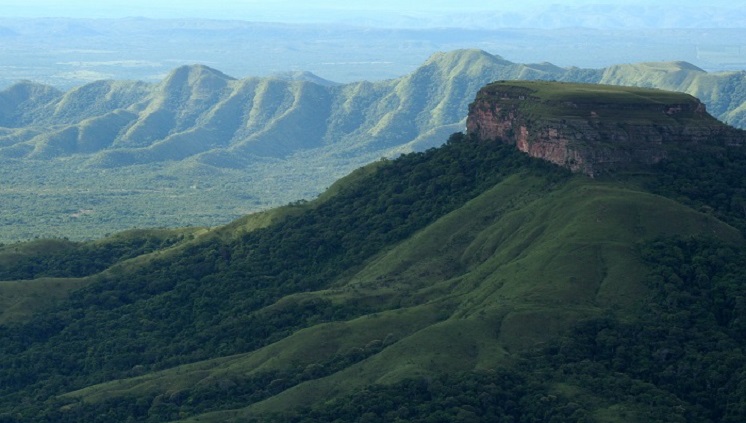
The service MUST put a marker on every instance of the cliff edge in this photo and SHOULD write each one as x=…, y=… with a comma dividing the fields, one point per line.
x=593, y=128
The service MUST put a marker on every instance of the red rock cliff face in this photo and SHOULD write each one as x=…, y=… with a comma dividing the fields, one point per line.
x=591, y=137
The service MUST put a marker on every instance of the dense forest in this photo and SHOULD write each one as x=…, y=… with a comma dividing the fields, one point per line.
x=187, y=299
x=209, y=300
x=711, y=179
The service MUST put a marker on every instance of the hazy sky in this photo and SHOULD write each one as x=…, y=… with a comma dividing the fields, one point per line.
x=308, y=10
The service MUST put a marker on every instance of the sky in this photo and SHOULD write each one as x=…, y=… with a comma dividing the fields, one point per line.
x=305, y=11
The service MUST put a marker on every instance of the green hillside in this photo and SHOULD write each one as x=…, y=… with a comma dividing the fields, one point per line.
x=464, y=283
x=609, y=104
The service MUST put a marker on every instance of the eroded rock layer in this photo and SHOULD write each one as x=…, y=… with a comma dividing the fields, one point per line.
x=592, y=128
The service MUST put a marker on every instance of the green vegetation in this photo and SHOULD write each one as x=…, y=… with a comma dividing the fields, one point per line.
x=610, y=104
x=47, y=200
x=580, y=93
x=37, y=275
x=232, y=283
x=61, y=258
x=710, y=179
x=465, y=283
x=202, y=149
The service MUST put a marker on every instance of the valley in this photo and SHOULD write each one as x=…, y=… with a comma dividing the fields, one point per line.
x=67, y=53
x=218, y=147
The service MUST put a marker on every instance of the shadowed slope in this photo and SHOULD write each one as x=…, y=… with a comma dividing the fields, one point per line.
x=510, y=270
x=459, y=259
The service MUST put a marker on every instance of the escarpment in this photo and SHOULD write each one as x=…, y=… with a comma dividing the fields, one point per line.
x=593, y=128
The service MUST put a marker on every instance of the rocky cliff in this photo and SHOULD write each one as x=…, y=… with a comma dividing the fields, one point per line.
x=593, y=128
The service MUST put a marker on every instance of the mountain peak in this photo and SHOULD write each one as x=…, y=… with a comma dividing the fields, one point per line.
x=192, y=75
x=20, y=93
x=198, y=68
x=459, y=57
x=304, y=76
x=592, y=128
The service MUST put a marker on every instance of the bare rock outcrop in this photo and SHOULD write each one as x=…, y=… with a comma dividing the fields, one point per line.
x=593, y=128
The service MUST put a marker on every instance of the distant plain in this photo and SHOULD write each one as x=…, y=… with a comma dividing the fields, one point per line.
x=70, y=52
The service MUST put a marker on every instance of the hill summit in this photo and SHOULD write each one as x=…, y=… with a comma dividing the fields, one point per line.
x=591, y=128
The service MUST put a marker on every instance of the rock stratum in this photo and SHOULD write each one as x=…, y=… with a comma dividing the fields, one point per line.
x=593, y=128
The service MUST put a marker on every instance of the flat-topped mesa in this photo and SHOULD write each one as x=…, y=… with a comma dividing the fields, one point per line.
x=592, y=128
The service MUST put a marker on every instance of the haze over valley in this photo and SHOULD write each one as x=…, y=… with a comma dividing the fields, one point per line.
x=67, y=53
x=67, y=44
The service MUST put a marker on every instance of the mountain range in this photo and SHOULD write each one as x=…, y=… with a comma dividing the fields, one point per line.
x=468, y=282
x=269, y=140
x=198, y=112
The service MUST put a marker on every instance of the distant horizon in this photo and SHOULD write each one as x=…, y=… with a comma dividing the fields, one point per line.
x=398, y=14
x=351, y=41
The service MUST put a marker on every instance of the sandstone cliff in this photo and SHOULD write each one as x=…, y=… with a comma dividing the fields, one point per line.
x=593, y=128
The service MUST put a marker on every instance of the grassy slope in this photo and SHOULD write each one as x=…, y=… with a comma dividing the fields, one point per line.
x=21, y=299
x=638, y=105
x=722, y=91
x=507, y=271
x=503, y=274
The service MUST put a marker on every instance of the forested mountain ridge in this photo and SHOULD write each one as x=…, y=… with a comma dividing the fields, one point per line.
x=464, y=283
x=103, y=157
